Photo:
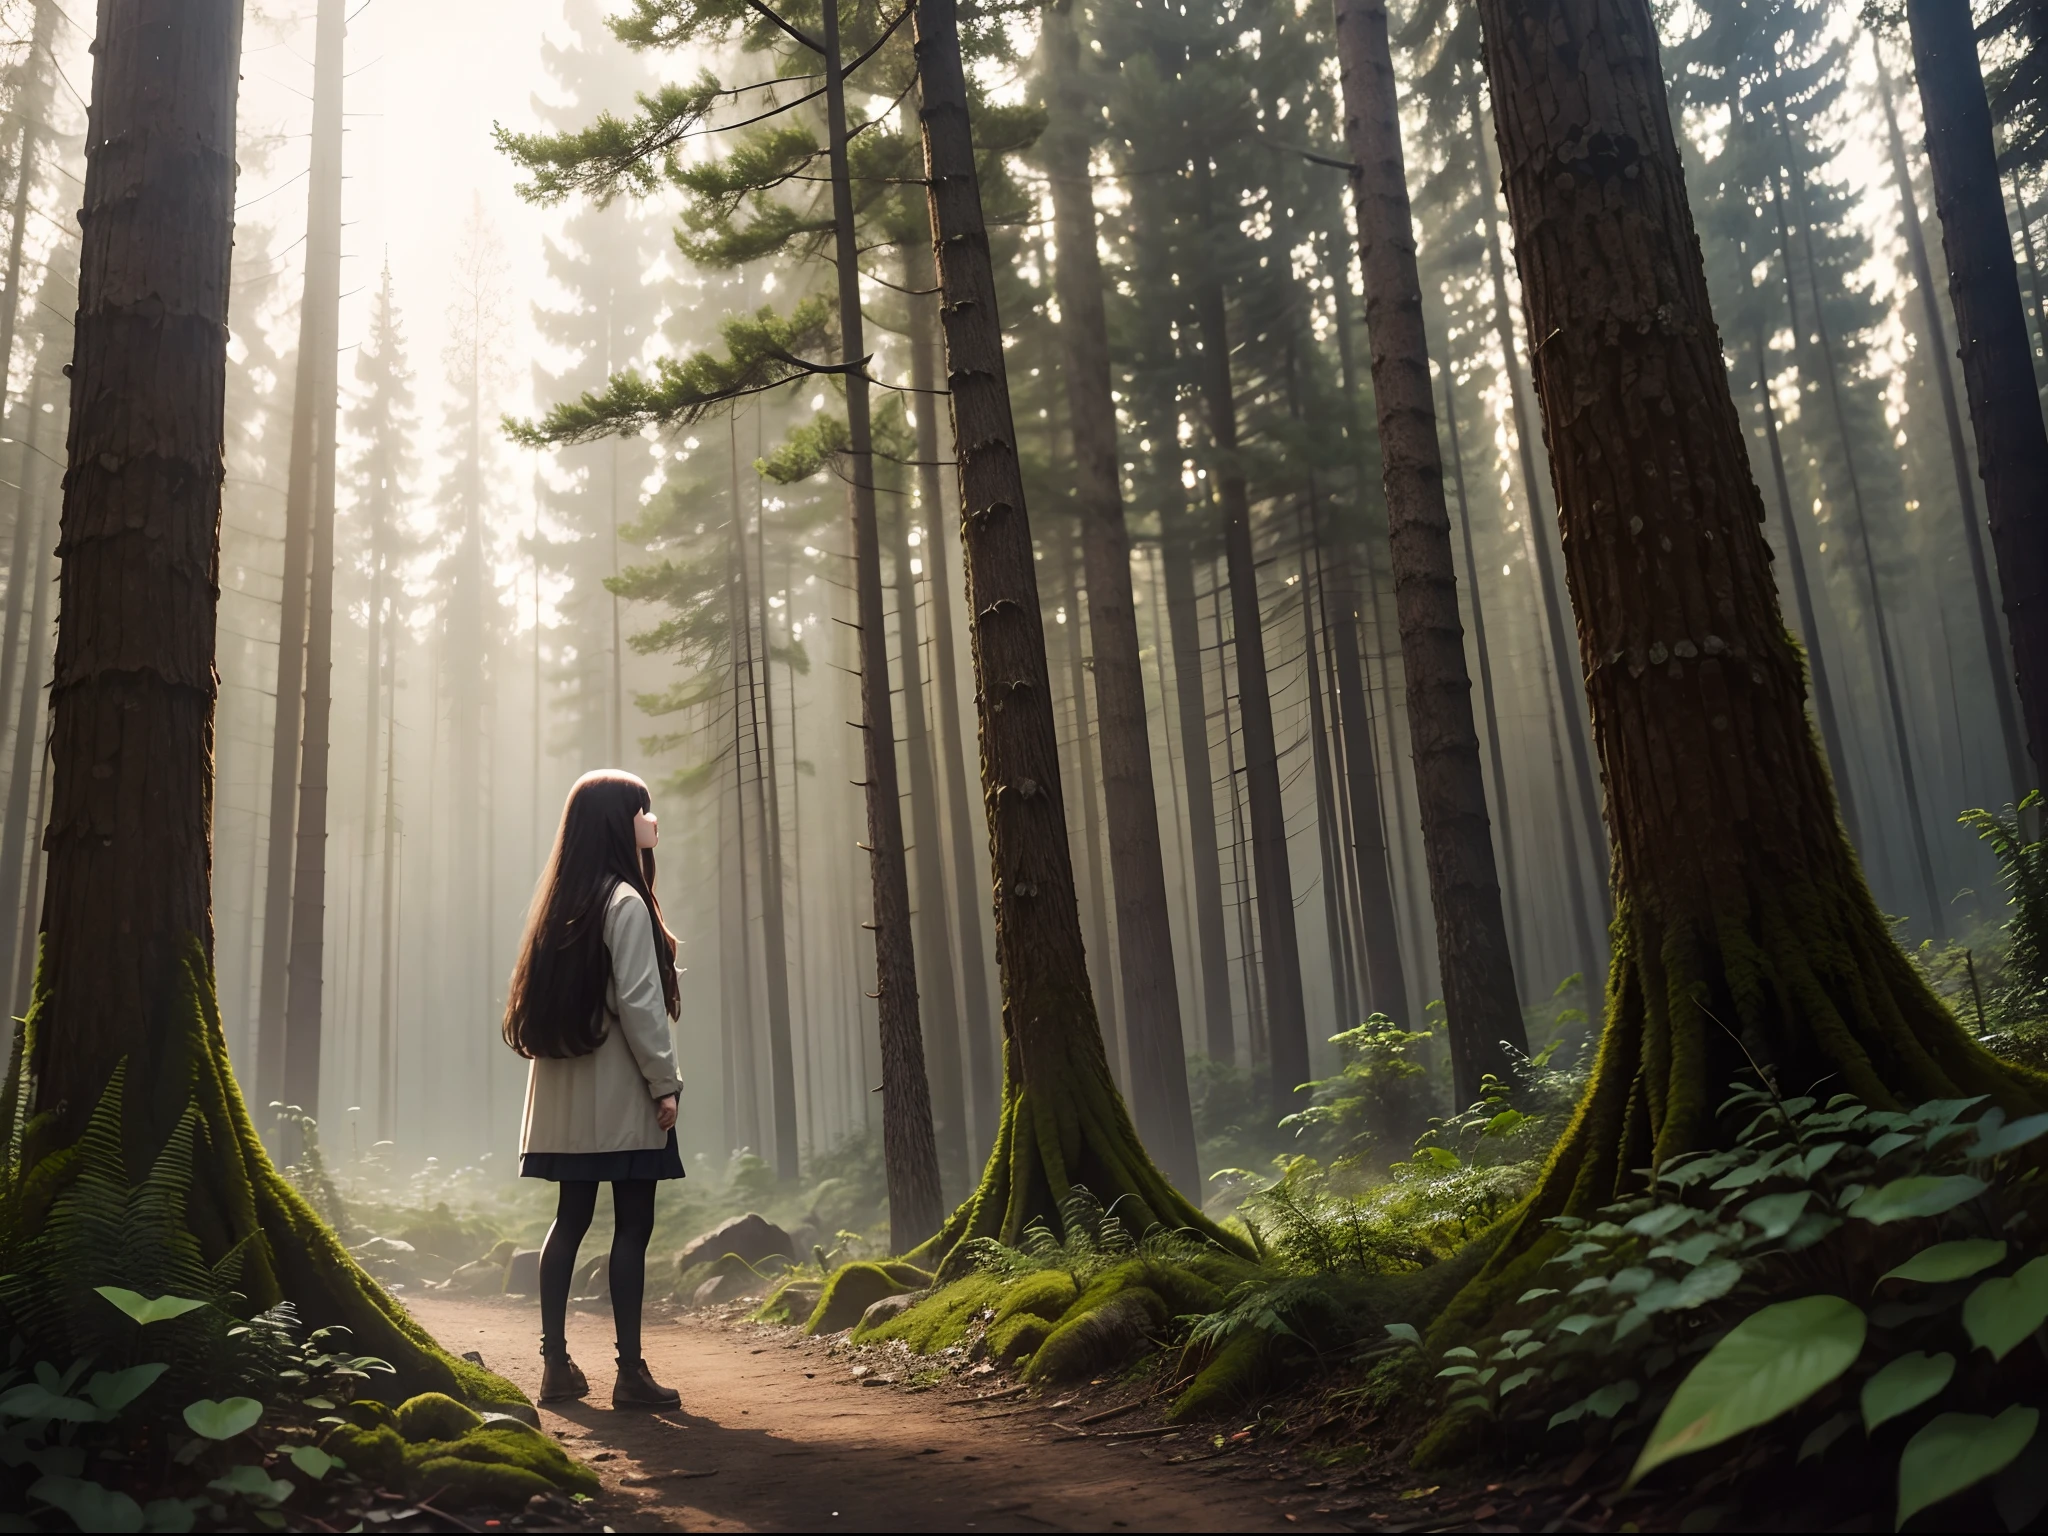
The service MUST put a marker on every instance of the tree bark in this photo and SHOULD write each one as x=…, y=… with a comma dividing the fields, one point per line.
x=1998, y=361
x=908, y=1150
x=1482, y=1012
x=1934, y=343
x=132, y=732
x=1063, y=1125
x=1279, y=947
x=984, y=1072
x=1144, y=935
x=1744, y=930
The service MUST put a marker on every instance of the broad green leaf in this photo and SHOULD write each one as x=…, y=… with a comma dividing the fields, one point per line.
x=253, y=1484
x=33, y=1400
x=1942, y=1111
x=224, y=1420
x=1770, y=1362
x=1519, y=1379
x=1531, y=1295
x=1918, y=1195
x=1948, y=1261
x=148, y=1309
x=1405, y=1332
x=1994, y=1140
x=1825, y=1434
x=312, y=1461
x=91, y=1507
x=1612, y=1398
x=1954, y=1450
x=1904, y=1384
x=115, y=1390
x=1774, y=1214
x=171, y=1516
x=1710, y=1282
x=2004, y=1310
x=1662, y=1221
x=1461, y=1352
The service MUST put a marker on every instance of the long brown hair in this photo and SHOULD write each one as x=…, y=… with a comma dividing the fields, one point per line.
x=556, y=1004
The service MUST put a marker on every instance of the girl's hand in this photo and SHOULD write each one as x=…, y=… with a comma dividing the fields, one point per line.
x=665, y=1113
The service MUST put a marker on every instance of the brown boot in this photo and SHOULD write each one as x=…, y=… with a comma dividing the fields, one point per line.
x=561, y=1380
x=637, y=1388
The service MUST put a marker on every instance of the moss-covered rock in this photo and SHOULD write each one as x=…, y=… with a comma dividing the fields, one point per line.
x=1091, y=1338
x=940, y=1319
x=435, y=1416
x=455, y=1483
x=1453, y=1440
x=368, y=1413
x=375, y=1454
x=1016, y=1338
x=1046, y=1294
x=506, y=1445
x=790, y=1303
x=1233, y=1375
x=853, y=1288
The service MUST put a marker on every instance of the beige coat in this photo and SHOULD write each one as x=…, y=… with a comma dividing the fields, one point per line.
x=605, y=1102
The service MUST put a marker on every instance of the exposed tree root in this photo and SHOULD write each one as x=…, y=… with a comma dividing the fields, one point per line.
x=1803, y=982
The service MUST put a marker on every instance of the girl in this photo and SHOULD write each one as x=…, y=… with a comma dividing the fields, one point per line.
x=591, y=1001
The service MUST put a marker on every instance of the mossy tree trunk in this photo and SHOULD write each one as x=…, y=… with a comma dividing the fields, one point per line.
x=127, y=936
x=1743, y=923
x=1063, y=1122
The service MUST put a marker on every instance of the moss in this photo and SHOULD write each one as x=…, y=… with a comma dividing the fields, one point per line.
x=790, y=1303
x=940, y=1319
x=435, y=1416
x=853, y=1288
x=513, y=1447
x=1094, y=1338
x=1233, y=1376
x=1455, y=1439
x=1046, y=1294
x=453, y=1482
x=375, y=1454
x=1016, y=1338
x=368, y=1413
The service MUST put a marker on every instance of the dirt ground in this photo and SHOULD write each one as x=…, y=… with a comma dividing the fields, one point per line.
x=778, y=1432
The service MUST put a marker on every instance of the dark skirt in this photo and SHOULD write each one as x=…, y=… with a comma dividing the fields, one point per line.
x=663, y=1162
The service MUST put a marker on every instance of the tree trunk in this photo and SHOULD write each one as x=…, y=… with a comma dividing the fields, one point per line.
x=1144, y=935
x=132, y=734
x=1386, y=976
x=1336, y=886
x=27, y=740
x=908, y=1149
x=1063, y=1123
x=1998, y=360
x=1934, y=344
x=1279, y=948
x=1744, y=929
x=1483, y=1015
x=319, y=333
x=937, y=1007
x=1512, y=894
x=984, y=1072
x=1212, y=948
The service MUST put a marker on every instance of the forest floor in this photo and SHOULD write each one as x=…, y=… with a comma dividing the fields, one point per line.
x=838, y=1438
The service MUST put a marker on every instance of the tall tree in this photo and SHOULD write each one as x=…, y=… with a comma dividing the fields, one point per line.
x=1481, y=1009
x=1064, y=1123
x=319, y=349
x=1997, y=355
x=1151, y=988
x=1744, y=930
x=133, y=699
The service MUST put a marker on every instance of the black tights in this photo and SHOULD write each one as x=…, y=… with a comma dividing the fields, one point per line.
x=632, y=1226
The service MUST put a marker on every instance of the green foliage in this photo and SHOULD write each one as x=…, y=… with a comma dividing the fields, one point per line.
x=1374, y=1101
x=1893, y=1230
x=942, y=1319
x=435, y=1416
x=2020, y=990
x=856, y=1287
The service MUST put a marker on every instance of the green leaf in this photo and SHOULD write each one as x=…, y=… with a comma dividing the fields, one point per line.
x=1710, y=1282
x=1535, y=1295
x=253, y=1484
x=312, y=1461
x=2004, y=1310
x=1662, y=1221
x=1994, y=1140
x=115, y=1390
x=1774, y=1214
x=1612, y=1398
x=1770, y=1362
x=91, y=1507
x=1825, y=1434
x=1954, y=1450
x=172, y=1516
x=1918, y=1195
x=33, y=1400
x=224, y=1420
x=1904, y=1384
x=1405, y=1332
x=148, y=1309
x=1948, y=1261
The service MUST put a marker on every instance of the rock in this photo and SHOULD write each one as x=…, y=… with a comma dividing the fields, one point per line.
x=734, y=1283
x=480, y=1278
x=385, y=1248
x=522, y=1273
x=753, y=1237
x=888, y=1308
x=594, y=1280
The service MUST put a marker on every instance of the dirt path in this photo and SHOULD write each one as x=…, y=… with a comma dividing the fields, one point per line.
x=776, y=1433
